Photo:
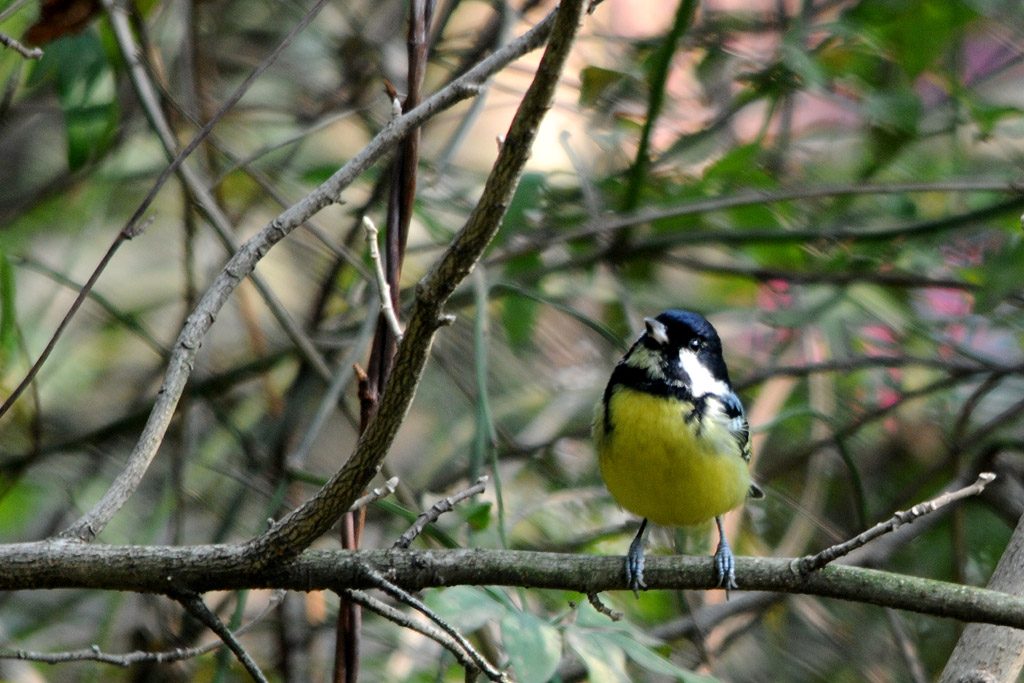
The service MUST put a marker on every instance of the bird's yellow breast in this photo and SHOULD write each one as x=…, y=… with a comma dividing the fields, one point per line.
x=659, y=466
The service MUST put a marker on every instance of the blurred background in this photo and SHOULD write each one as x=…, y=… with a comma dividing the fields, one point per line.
x=835, y=184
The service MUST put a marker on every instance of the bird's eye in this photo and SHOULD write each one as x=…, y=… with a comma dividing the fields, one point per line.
x=695, y=344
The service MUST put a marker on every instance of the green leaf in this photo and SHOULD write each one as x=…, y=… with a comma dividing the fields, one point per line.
x=596, y=84
x=477, y=515
x=518, y=315
x=738, y=165
x=648, y=659
x=465, y=607
x=994, y=287
x=622, y=637
x=534, y=646
x=913, y=34
x=87, y=95
x=604, y=661
x=524, y=208
x=896, y=111
x=986, y=115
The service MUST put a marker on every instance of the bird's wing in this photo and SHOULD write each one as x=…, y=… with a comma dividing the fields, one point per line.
x=740, y=429
x=738, y=425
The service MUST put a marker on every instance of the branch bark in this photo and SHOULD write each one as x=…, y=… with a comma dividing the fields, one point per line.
x=166, y=569
x=986, y=652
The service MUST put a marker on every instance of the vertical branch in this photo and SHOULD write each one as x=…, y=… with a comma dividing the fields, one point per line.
x=401, y=198
x=986, y=650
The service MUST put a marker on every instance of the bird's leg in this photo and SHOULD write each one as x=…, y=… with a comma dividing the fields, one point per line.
x=725, y=563
x=635, y=561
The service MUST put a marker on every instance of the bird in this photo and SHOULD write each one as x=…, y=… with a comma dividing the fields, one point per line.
x=672, y=439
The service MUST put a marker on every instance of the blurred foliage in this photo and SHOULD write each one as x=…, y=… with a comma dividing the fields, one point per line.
x=834, y=184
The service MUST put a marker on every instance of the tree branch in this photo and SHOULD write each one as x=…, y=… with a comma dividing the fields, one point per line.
x=162, y=569
x=27, y=53
x=310, y=521
x=180, y=364
x=819, y=560
x=198, y=609
x=95, y=654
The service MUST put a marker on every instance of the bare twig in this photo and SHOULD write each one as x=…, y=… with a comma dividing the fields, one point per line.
x=147, y=93
x=595, y=601
x=12, y=8
x=376, y=494
x=329, y=401
x=615, y=223
x=437, y=635
x=122, y=237
x=94, y=654
x=386, y=304
x=27, y=53
x=180, y=363
x=812, y=563
x=401, y=199
x=405, y=597
x=436, y=510
x=197, y=608
x=856, y=363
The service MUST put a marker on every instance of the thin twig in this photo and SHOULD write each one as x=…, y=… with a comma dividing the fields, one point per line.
x=436, y=510
x=228, y=105
x=386, y=304
x=620, y=222
x=429, y=630
x=832, y=277
x=146, y=91
x=126, y=234
x=27, y=53
x=11, y=9
x=812, y=563
x=407, y=598
x=95, y=654
x=856, y=363
x=595, y=601
x=126, y=320
x=195, y=606
x=329, y=401
x=376, y=494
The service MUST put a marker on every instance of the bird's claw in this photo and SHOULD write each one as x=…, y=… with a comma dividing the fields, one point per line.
x=635, y=561
x=635, y=571
x=725, y=567
x=725, y=563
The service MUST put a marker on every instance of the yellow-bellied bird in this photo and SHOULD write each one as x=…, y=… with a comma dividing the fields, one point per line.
x=672, y=438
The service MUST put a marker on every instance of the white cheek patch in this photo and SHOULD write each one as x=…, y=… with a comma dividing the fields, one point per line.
x=702, y=382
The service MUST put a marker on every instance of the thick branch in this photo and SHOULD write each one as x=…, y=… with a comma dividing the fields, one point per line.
x=166, y=569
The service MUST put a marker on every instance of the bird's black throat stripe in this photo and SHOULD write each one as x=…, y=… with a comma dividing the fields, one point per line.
x=639, y=379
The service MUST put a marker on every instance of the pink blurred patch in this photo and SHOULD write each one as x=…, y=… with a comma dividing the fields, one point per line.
x=948, y=302
x=774, y=295
x=879, y=340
